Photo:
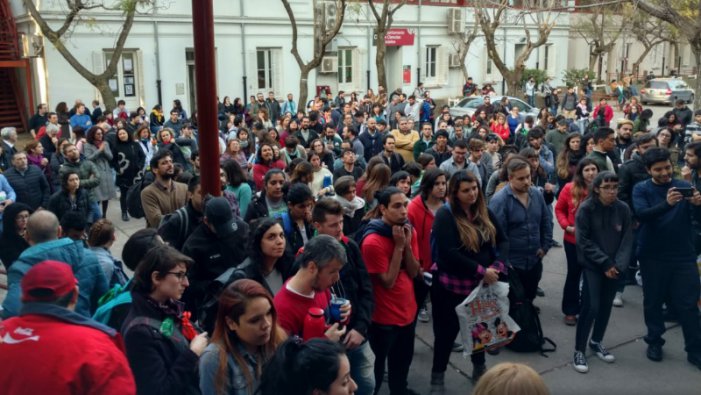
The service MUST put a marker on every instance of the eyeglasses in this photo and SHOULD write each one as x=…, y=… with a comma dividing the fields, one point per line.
x=179, y=275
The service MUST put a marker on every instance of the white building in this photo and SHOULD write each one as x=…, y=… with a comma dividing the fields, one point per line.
x=253, y=42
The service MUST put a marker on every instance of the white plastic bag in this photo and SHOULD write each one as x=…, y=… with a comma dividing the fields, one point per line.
x=484, y=318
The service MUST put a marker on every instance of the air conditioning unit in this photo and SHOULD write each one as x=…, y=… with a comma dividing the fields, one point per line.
x=456, y=20
x=330, y=13
x=454, y=61
x=329, y=64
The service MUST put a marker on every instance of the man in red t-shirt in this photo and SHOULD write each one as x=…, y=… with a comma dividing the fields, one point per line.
x=321, y=262
x=390, y=250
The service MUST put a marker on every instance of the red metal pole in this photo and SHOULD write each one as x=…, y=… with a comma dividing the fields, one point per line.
x=205, y=77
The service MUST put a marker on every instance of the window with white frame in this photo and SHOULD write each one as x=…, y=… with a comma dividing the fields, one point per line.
x=431, y=66
x=267, y=68
x=345, y=66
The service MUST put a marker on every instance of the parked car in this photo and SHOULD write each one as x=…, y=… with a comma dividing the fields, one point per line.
x=666, y=91
x=468, y=105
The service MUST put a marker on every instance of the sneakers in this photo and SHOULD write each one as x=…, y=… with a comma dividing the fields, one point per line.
x=478, y=371
x=579, y=362
x=618, y=300
x=539, y=292
x=457, y=347
x=423, y=315
x=601, y=352
x=570, y=320
x=654, y=352
x=437, y=383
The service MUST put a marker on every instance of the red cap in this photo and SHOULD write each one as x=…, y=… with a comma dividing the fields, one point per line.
x=48, y=281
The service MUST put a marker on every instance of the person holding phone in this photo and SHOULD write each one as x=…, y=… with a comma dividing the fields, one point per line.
x=604, y=239
x=666, y=253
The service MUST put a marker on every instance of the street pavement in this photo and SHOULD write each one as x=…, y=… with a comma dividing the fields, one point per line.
x=632, y=373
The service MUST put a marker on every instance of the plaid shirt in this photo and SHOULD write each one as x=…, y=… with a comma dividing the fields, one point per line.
x=465, y=286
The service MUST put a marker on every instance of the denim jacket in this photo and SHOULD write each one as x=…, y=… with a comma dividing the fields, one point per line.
x=528, y=228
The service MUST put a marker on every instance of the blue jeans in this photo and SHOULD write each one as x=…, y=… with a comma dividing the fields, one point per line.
x=362, y=364
x=94, y=212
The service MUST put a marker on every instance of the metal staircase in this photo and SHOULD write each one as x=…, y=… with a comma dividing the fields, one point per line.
x=13, y=110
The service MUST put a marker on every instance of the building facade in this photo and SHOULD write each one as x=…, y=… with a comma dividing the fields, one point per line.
x=253, y=42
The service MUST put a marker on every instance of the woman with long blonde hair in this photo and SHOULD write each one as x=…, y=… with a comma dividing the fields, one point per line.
x=245, y=337
x=466, y=237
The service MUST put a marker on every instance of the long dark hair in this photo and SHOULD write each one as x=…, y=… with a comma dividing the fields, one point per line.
x=428, y=181
x=234, y=173
x=260, y=226
x=299, y=368
x=565, y=156
x=579, y=185
x=475, y=227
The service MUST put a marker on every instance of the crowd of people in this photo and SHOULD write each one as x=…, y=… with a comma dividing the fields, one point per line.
x=341, y=225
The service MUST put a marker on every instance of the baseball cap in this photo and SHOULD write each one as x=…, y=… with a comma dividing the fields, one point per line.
x=219, y=215
x=47, y=281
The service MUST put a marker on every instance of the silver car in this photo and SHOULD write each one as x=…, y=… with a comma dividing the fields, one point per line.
x=666, y=91
x=468, y=105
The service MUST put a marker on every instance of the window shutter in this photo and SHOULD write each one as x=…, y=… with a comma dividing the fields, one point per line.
x=276, y=66
x=138, y=75
x=441, y=65
x=252, y=73
x=357, y=73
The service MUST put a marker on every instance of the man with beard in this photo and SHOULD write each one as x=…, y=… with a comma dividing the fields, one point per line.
x=522, y=213
x=371, y=139
x=665, y=208
x=319, y=268
x=440, y=150
x=624, y=137
x=305, y=134
x=164, y=195
x=390, y=250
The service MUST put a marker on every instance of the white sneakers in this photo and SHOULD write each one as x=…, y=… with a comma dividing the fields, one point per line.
x=618, y=300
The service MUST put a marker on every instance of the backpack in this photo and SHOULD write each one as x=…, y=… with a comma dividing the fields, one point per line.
x=118, y=295
x=134, y=206
x=210, y=303
x=530, y=338
x=183, y=219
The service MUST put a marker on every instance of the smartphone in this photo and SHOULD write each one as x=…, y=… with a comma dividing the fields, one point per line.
x=686, y=192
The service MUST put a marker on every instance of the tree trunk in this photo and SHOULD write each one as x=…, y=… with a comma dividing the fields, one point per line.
x=465, y=75
x=380, y=61
x=108, y=98
x=303, y=86
x=592, y=61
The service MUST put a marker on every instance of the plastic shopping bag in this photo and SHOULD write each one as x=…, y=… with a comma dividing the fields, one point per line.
x=484, y=318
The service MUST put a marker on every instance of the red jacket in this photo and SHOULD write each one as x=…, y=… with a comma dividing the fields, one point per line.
x=421, y=218
x=501, y=130
x=608, y=113
x=59, y=352
x=260, y=169
x=565, y=210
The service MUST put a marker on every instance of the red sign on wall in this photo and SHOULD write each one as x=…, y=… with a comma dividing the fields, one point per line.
x=399, y=37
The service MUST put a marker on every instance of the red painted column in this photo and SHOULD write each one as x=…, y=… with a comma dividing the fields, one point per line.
x=206, y=82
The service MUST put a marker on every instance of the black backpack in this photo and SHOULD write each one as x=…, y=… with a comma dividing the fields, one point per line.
x=530, y=338
x=134, y=206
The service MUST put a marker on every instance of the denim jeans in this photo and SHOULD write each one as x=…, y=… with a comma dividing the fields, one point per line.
x=94, y=213
x=362, y=364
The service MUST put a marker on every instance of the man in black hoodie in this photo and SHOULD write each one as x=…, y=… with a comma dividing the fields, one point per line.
x=354, y=285
x=216, y=245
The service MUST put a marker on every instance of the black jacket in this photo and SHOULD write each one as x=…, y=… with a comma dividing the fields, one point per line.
x=355, y=285
x=31, y=187
x=258, y=208
x=629, y=174
x=212, y=256
x=160, y=365
x=372, y=144
x=305, y=142
x=60, y=203
x=174, y=232
x=604, y=235
x=129, y=159
x=395, y=161
x=11, y=243
x=251, y=270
